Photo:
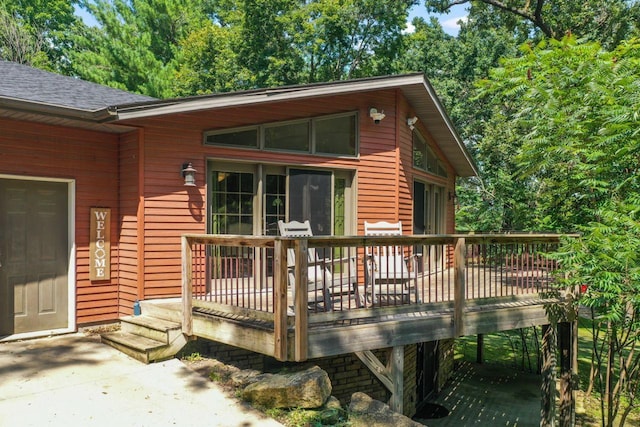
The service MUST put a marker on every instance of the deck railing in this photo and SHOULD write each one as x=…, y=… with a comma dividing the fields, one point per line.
x=294, y=282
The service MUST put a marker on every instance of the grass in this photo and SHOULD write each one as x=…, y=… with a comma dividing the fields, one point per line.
x=297, y=417
x=193, y=357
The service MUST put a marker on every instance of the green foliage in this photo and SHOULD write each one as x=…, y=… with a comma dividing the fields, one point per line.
x=168, y=48
x=288, y=41
x=134, y=45
x=607, y=21
x=568, y=112
x=208, y=61
x=193, y=357
x=36, y=32
x=564, y=112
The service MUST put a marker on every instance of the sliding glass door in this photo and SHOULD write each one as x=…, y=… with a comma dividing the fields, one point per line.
x=251, y=199
x=310, y=198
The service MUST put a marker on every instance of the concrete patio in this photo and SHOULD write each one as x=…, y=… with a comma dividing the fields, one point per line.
x=74, y=380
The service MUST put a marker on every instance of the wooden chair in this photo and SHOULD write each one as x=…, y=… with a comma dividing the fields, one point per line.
x=387, y=267
x=321, y=283
x=318, y=276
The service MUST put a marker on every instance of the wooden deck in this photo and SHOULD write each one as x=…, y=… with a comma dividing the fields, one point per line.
x=468, y=285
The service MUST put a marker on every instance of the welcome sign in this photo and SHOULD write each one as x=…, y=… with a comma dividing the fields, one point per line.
x=100, y=244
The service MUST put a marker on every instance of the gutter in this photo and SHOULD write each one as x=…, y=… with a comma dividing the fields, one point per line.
x=52, y=110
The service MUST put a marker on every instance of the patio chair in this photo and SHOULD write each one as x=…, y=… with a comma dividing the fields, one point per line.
x=387, y=267
x=320, y=280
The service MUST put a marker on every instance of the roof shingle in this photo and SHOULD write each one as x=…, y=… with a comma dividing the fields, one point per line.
x=31, y=84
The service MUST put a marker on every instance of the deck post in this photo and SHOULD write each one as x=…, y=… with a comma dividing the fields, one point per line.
x=480, y=349
x=301, y=303
x=397, y=379
x=548, y=391
x=187, y=287
x=459, y=257
x=280, y=300
x=567, y=394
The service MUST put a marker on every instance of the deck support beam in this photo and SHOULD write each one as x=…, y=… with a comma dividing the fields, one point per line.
x=480, y=349
x=548, y=390
x=567, y=335
x=558, y=339
x=391, y=375
x=459, y=257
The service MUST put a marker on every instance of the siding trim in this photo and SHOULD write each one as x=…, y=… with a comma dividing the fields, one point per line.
x=397, y=165
x=141, y=216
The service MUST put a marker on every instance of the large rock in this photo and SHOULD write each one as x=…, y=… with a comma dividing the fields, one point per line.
x=367, y=412
x=245, y=377
x=305, y=389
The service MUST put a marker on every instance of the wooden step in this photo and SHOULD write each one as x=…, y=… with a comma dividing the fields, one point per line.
x=166, y=309
x=151, y=327
x=139, y=347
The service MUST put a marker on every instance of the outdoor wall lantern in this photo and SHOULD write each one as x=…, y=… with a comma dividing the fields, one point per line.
x=375, y=115
x=411, y=122
x=189, y=175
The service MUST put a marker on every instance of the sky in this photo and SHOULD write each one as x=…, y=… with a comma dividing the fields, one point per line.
x=448, y=21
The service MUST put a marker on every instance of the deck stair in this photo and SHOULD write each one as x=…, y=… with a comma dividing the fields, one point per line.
x=148, y=337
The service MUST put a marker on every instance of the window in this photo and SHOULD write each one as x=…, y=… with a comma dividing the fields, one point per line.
x=251, y=198
x=336, y=135
x=275, y=205
x=239, y=138
x=232, y=203
x=424, y=158
x=292, y=137
x=327, y=135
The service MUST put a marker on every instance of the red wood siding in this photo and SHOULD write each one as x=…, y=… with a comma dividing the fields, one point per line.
x=405, y=172
x=130, y=191
x=171, y=209
x=91, y=159
x=384, y=170
x=137, y=175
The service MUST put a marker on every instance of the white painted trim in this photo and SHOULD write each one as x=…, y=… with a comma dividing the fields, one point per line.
x=71, y=272
x=71, y=251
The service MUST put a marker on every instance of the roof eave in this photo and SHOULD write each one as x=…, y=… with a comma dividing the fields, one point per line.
x=40, y=108
x=187, y=105
x=464, y=168
x=461, y=159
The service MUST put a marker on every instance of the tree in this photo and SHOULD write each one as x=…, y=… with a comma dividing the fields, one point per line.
x=37, y=32
x=208, y=61
x=453, y=64
x=134, y=45
x=607, y=21
x=18, y=44
x=169, y=47
x=292, y=41
x=569, y=110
